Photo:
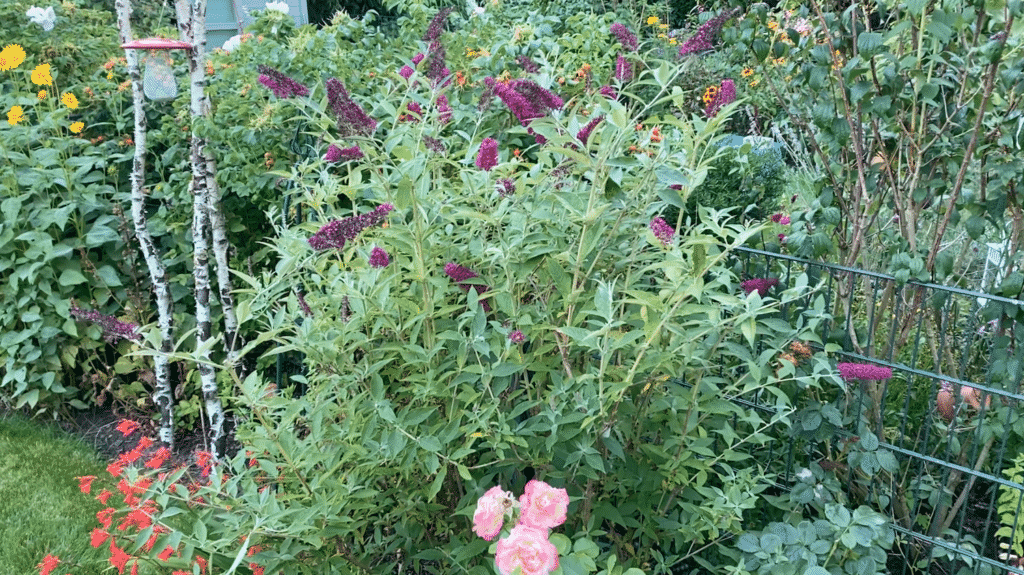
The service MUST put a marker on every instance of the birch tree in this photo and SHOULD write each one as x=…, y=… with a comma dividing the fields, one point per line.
x=162, y=396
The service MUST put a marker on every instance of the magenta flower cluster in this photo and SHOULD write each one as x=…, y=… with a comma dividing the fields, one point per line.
x=414, y=115
x=527, y=64
x=461, y=276
x=335, y=154
x=444, y=109
x=527, y=99
x=487, y=156
x=623, y=69
x=701, y=41
x=379, y=257
x=506, y=187
x=584, y=134
x=725, y=96
x=608, y=91
x=436, y=70
x=436, y=26
x=662, y=231
x=780, y=219
x=282, y=86
x=113, y=328
x=434, y=145
x=626, y=38
x=336, y=233
x=760, y=285
x=517, y=337
x=352, y=120
x=863, y=371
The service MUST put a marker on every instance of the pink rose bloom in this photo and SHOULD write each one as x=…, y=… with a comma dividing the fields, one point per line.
x=542, y=506
x=527, y=549
x=490, y=512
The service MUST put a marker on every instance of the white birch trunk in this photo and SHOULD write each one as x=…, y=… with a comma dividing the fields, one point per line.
x=221, y=247
x=162, y=396
x=192, y=23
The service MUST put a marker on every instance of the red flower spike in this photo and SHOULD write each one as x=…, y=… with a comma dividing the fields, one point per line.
x=104, y=517
x=166, y=554
x=49, y=564
x=116, y=468
x=127, y=427
x=85, y=483
x=104, y=496
x=118, y=558
x=159, y=458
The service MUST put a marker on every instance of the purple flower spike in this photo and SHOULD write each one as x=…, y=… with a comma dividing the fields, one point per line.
x=662, y=230
x=459, y=275
x=444, y=109
x=113, y=328
x=352, y=120
x=436, y=27
x=517, y=337
x=626, y=38
x=623, y=69
x=527, y=64
x=608, y=92
x=863, y=371
x=487, y=157
x=725, y=96
x=701, y=40
x=379, y=258
x=506, y=187
x=584, y=134
x=335, y=154
x=760, y=285
x=525, y=98
x=337, y=232
x=414, y=115
x=406, y=71
x=282, y=86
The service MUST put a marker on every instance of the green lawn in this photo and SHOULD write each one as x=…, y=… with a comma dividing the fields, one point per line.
x=41, y=509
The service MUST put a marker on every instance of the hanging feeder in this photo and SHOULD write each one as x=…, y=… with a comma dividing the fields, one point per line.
x=158, y=82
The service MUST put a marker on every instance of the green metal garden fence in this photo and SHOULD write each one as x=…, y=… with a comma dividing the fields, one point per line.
x=950, y=416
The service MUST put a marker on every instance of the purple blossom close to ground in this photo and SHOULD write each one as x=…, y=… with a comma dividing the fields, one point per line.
x=662, y=230
x=335, y=154
x=863, y=371
x=701, y=40
x=459, y=275
x=506, y=187
x=725, y=96
x=336, y=233
x=584, y=134
x=626, y=38
x=282, y=86
x=760, y=285
x=487, y=157
x=379, y=257
x=352, y=120
x=113, y=328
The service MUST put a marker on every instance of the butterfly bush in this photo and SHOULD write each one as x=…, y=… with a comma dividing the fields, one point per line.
x=525, y=98
x=626, y=38
x=662, y=230
x=584, y=134
x=725, y=95
x=760, y=285
x=701, y=40
x=379, y=257
x=352, y=120
x=863, y=371
x=113, y=328
x=282, y=86
x=460, y=275
x=487, y=157
x=337, y=233
x=335, y=154
x=623, y=69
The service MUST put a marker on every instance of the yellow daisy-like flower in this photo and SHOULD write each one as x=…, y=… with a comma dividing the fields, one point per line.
x=754, y=83
x=773, y=26
x=672, y=41
x=15, y=115
x=41, y=75
x=747, y=72
x=653, y=20
x=76, y=128
x=69, y=100
x=110, y=75
x=663, y=26
x=42, y=94
x=11, y=57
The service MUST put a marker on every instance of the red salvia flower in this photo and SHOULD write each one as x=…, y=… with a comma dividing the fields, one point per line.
x=104, y=517
x=118, y=558
x=127, y=427
x=49, y=564
x=103, y=496
x=98, y=537
x=85, y=483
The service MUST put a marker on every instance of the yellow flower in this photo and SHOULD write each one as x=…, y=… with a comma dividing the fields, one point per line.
x=672, y=41
x=11, y=57
x=69, y=100
x=41, y=75
x=15, y=115
x=76, y=128
x=754, y=83
x=773, y=25
x=663, y=26
x=652, y=20
x=42, y=94
x=747, y=72
x=110, y=75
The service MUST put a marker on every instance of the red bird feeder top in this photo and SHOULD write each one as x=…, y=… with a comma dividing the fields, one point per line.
x=157, y=44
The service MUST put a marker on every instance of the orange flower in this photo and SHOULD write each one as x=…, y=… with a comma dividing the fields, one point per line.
x=656, y=135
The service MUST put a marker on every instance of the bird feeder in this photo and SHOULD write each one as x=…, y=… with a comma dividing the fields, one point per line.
x=158, y=82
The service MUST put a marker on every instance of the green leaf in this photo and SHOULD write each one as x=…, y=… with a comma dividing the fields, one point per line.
x=561, y=542
x=430, y=443
x=869, y=441
x=816, y=570
x=71, y=277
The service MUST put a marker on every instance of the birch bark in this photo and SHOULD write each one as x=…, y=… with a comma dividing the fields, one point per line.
x=192, y=24
x=162, y=395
